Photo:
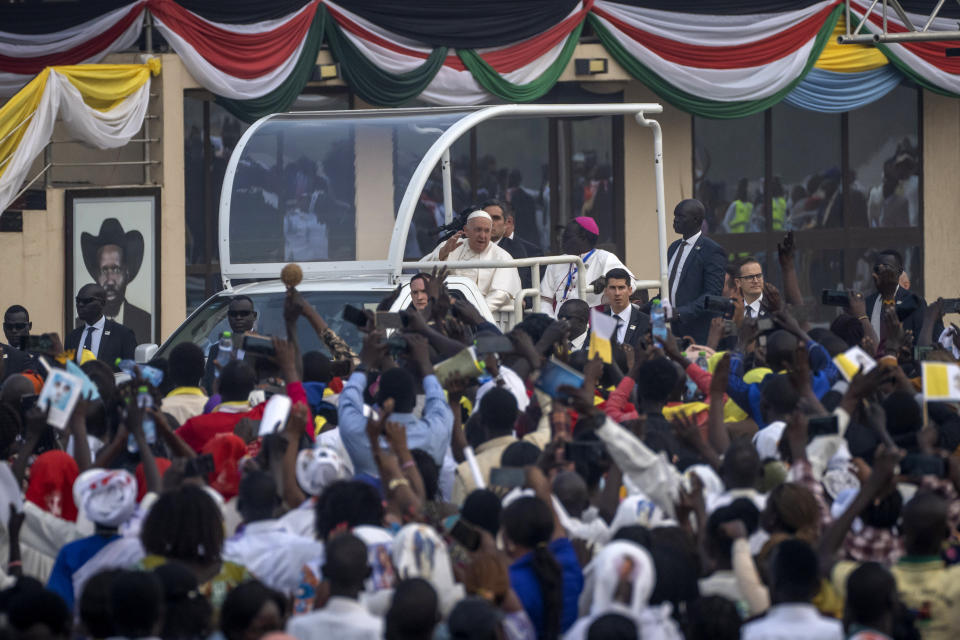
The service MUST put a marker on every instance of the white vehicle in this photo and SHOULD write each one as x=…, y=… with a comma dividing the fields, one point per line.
x=310, y=188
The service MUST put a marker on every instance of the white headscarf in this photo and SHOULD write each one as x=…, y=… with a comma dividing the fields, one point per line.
x=106, y=497
x=419, y=552
x=639, y=509
x=318, y=468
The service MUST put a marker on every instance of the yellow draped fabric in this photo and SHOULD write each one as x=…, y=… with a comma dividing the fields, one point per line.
x=849, y=58
x=16, y=114
x=103, y=86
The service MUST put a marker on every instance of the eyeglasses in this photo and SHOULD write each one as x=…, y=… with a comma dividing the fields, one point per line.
x=85, y=301
x=114, y=270
x=756, y=277
x=15, y=326
x=239, y=313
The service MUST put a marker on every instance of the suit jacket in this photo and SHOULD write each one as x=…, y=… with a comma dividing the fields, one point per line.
x=637, y=328
x=702, y=275
x=910, y=309
x=138, y=321
x=117, y=341
x=519, y=248
x=14, y=361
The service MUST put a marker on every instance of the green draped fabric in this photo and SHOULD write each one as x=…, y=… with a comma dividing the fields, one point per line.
x=375, y=85
x=280, y=99
x=493, y=82
x=702, y=106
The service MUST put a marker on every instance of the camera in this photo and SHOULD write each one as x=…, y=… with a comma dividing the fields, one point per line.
x=719, y=304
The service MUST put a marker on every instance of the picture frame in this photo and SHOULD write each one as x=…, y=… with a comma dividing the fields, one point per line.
x=113, y=239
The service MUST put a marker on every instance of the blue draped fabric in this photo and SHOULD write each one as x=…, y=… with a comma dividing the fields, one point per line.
x=833, y=92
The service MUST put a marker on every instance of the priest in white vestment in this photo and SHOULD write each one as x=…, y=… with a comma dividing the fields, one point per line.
x=499, y=286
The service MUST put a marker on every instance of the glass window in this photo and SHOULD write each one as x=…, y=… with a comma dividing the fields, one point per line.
x=806, y=167
x=822, y=176
x=885, y=162
x=728, y=172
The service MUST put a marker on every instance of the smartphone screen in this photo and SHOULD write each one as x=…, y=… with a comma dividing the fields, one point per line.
x=835, y=298
x=387, y=320
x=822, y=426
x=507, y=477
x=355, y=316
x=466, y=535
x=258, y=345
x=493, y=344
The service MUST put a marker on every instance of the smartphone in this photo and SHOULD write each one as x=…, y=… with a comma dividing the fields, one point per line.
x=340, y=368
x=199, y=466
x=397, y=344
x=951, y=305
x=599, y=285
x=920, y=464
x=388, y=320
x=921, y=353
x=355, y=316
x=507, y=477
x=822, y=426
x=555, y=374
x=764, y=325
x=659, y=322
x=719, y=304
x=835, y=298
x=466, y=535
x=41, y=343
x=258, y=345
x=493, y=344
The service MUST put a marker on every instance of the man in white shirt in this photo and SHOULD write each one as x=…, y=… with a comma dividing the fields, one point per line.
x=265, y=546
x=750, y=282
x=559, y=282
x=795, y=579
x=342, y=616
x=500, y=285
x=577, y=315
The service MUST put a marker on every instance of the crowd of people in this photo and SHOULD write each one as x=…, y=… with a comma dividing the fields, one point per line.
x=723, y=481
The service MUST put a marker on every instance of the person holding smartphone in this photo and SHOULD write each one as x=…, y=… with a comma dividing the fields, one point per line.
x=242, y=317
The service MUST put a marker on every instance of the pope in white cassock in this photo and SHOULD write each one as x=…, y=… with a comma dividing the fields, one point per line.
x=499, y=286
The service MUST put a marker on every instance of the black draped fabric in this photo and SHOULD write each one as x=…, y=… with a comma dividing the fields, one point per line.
x=32, y=18
x=242, y=11
x=740, y=7
x=465, y=24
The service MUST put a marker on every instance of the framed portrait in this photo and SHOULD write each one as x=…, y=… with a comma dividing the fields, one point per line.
x=113, y=239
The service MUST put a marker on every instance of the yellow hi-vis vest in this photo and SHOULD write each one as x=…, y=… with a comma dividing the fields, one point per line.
x=741, y=216
x=779, y=213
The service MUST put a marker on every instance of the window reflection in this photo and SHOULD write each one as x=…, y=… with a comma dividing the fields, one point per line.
x=885, y=158
x=728, y=173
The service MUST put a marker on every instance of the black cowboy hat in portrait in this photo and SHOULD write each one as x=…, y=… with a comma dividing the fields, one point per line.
x=113, y=259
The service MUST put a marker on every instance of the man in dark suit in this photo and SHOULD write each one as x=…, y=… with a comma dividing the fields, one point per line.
x=749, y=282
x=106, y=339
x=695, y=264
x=887, y=267
x=113, y=259
x=632, y=323
x=241, y=316
x=502, y=233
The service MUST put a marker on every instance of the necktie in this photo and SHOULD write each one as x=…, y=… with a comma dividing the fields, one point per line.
x=87, y=342
x=616, y=333
x=749, y=311
x=676, y=268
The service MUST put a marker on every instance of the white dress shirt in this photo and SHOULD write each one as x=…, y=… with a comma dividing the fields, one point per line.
x=793, y=621
x=623, y=323
x=94, y=338
x=754, y=308
x=341, y=618
x=685, y=247
x=272, y=553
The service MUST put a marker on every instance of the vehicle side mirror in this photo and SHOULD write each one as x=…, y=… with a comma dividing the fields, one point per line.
x=144, y=353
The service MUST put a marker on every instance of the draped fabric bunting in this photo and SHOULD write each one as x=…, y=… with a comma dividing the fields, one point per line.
x=24, y=55
x=101, y=105
x=926, y=63
x=836, y=92
x=712, y=58
x=745, y=75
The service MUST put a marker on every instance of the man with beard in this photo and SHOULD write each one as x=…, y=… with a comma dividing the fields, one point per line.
x=113, y=259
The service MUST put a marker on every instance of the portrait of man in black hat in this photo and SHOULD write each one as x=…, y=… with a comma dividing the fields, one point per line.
x=113, y=259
